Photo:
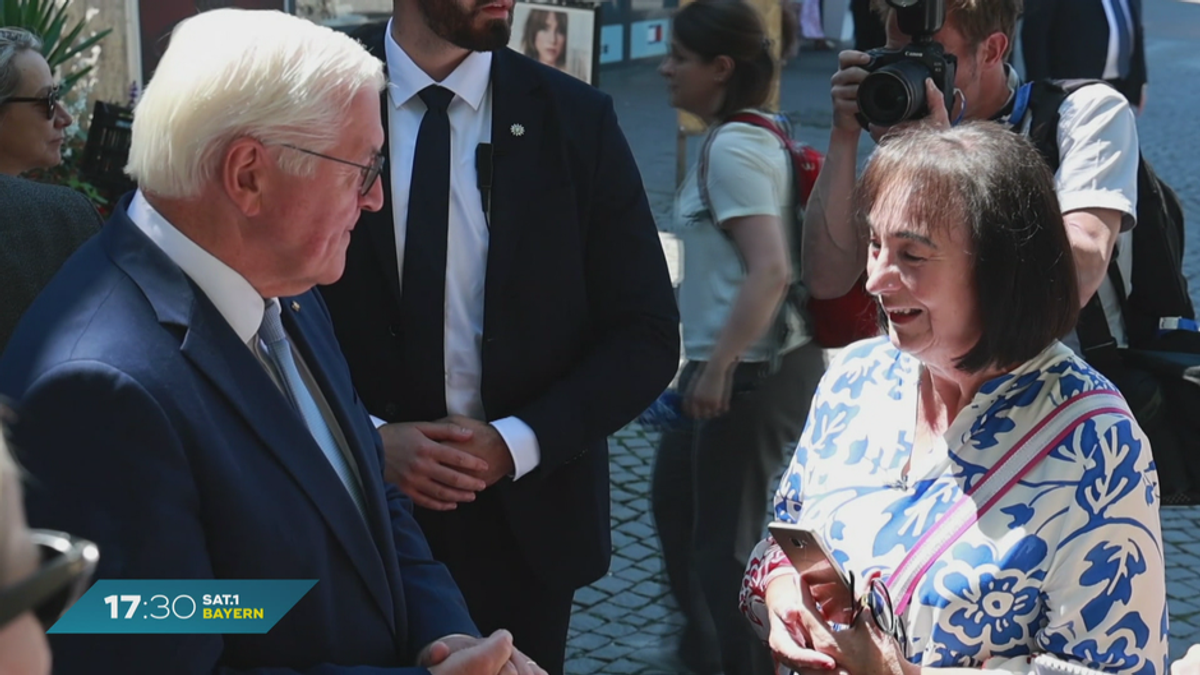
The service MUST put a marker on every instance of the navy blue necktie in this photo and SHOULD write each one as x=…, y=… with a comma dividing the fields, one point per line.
x=1121, y=24
x=423, y=284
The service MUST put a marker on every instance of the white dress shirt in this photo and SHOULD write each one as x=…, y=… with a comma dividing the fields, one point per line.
x=470, y=114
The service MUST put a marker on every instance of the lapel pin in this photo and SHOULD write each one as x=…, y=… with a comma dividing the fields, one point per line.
x=517, y=130
x=295, y=306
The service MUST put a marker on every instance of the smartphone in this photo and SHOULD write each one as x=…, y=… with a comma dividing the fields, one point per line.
x=808, y=554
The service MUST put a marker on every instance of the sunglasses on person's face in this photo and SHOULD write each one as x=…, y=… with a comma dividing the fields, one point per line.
x=65, y=568
x=49, y=101
x=878, y=599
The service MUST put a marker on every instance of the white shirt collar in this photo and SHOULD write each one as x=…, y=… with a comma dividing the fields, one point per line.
x=228, y=291
x=469, y=81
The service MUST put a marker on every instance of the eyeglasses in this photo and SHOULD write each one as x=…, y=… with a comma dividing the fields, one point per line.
x=50, y=101
x=878, y=599
x=370, y=173
x=66, y=567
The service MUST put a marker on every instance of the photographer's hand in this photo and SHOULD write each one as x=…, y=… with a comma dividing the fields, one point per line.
x=938, y=115
x=845, y=90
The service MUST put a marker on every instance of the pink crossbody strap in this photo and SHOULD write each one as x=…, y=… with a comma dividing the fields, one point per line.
x=971, y=506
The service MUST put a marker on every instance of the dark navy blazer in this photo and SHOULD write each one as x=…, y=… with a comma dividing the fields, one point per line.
x=147, y=426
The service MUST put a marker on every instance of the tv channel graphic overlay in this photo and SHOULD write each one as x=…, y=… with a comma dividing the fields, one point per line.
x=182, y=606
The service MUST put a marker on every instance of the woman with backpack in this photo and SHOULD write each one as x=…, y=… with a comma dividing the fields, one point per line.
x=751, y=366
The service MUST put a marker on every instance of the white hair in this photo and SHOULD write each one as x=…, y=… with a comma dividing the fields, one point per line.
x=13, y=41
x=233, y=73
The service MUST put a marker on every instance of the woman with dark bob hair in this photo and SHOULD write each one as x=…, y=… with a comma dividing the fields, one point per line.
x=985, y=492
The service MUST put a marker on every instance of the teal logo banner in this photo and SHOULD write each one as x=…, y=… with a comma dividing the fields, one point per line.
x=183, y=606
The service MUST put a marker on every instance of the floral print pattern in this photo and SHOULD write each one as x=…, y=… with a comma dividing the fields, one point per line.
x=1069, y=561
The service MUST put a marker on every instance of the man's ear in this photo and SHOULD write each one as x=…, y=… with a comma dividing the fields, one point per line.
x=994, y=49
x=245, y=171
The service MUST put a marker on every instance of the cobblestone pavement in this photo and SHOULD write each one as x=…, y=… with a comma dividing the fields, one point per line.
x=627, y=613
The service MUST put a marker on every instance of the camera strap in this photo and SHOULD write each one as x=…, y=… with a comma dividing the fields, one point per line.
x=1020, y=105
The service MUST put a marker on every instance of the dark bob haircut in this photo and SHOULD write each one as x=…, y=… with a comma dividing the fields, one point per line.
x=733, y=28
x=995, y=182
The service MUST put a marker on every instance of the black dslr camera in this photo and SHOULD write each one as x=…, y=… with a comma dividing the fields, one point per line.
x=895, y=89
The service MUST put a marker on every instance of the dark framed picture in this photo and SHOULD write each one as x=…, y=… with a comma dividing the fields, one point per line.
x=566, y=37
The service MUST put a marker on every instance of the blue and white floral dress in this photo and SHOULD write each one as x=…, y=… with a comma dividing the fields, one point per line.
x=1069, y=561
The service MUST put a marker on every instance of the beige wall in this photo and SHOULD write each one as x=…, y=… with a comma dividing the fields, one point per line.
x=111, y=72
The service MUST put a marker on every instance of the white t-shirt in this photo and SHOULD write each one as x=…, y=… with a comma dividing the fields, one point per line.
x=748, y=175
x=1098, y=151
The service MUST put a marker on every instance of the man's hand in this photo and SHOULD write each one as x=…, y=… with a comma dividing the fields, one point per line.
x=938, y=115
x=845, y=83
x=420, y=461
x=442, y=654
x=486, y=444
x=936, y=101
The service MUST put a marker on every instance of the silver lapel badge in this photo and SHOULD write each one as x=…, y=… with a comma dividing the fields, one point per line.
x=517, y=130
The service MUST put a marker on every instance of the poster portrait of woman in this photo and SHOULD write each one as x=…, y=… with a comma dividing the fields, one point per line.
x=558, y=36
x=545, y=37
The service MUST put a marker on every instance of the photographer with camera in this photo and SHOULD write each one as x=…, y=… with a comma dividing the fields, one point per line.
x=947, y=59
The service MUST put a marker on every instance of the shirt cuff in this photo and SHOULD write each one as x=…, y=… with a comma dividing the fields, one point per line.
x=522, y=445
x=376, y=421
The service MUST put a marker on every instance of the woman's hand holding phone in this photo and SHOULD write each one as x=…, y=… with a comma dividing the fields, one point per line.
x=799, y=636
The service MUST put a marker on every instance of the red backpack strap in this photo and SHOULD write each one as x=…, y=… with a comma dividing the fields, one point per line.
x=806, y=161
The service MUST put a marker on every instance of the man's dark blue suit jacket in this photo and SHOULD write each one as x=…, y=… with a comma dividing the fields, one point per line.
x=145, y=425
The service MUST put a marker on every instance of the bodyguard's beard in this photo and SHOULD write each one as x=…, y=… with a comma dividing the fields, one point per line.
x=449, y=21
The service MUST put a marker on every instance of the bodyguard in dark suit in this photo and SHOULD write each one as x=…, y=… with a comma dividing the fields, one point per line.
x=1095, y=39
x=41, y=227
x=182, y=400
x=513, y=279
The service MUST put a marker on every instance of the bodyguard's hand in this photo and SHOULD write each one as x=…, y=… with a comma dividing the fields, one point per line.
x=421, y=462
x=850, y=74
x=465, y=655
x=436, y=653
x=485, y=444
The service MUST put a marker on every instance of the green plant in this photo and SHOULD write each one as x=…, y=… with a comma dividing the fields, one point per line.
x=48, y=20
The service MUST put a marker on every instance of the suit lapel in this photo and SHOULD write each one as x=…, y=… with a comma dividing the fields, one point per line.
x=518, y=141
x=212, y=347
x=308, y=337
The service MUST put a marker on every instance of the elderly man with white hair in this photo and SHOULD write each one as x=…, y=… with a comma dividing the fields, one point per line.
x=181, y=398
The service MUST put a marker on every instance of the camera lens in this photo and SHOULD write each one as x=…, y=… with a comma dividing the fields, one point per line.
x=894, y=93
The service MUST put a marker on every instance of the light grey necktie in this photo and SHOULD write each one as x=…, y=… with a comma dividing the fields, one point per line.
x=279, y=351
